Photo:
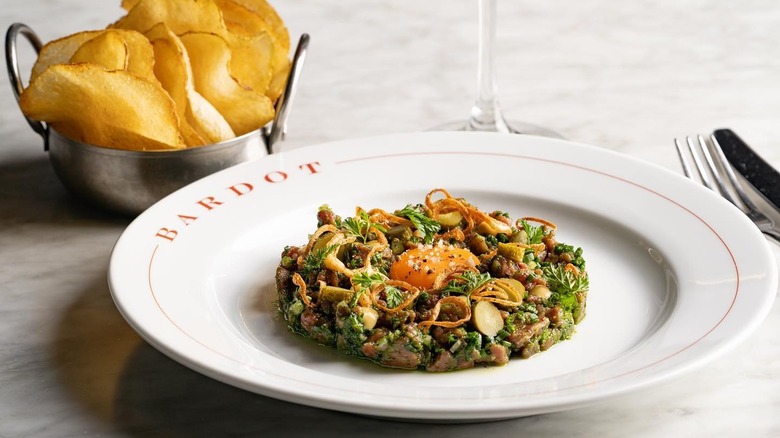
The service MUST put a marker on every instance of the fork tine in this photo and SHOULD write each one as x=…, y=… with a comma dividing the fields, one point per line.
x=705, y=176
x=715, y=170
x=686, y=166
x=731, y=175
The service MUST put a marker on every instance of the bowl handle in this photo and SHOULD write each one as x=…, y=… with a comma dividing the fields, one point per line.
x=283, y=105
x=12, y=62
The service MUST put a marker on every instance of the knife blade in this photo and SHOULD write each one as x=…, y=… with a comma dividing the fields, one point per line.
x=750, y=165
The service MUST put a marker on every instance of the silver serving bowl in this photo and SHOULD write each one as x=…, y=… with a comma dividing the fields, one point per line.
x=129, y=181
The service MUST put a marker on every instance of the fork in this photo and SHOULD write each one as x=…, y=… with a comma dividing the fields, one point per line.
x=719, y=177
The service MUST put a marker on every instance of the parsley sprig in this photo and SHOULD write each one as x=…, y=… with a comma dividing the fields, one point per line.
x=565, y=284
x=466, y=282
x=365, y=281
x=564, y=281
x=535, y=233
x=393, y=297
x=421, y=222
x=313, y=261
x=360, y=226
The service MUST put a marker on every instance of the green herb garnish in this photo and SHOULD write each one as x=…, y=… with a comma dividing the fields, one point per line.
x=564, y=281
x=393, y=297
x=313, y=261
x=421, y=222
x=466, y=282
x=535, y=233
x=360, y=226
x=565, y=284
x=364, y=281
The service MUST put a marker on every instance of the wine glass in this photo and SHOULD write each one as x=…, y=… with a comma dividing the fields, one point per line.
x=486, y=113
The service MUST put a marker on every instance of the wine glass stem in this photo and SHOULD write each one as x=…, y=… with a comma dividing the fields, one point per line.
x=486, y=113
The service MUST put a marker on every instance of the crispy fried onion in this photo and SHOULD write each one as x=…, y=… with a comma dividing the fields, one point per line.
x=572, y=268
x=486, y=257
x=472, y=215
x=327, y=228
x=377, y=215
x=298, y=281
x=463, y=311
x=375, y=248
x=331, y=261
x=411, y=294
x=544, y=222
x=489, y=224
x=498, y=291
x=453, y=234
x=448, y=204
x=380, y=236
x=338, y=240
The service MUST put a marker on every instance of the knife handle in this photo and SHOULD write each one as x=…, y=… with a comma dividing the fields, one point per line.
x=747, y=162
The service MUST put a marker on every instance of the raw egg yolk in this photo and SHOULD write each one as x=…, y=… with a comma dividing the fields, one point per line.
x=421, y=265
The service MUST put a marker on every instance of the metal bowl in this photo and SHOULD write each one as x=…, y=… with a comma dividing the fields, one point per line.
x=129, y=181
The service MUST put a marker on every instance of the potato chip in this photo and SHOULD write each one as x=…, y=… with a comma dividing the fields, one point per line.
x=245, y=109
x=172, y=74
x=140, y=53
x=281, y=72
x=251, y=39
x=201, y=123
x=107, y=49
x=241, y=20
x=128, y=4
x=180, y=16
x=274, y=24
x=251, y=61
x=209, y=122
x=140, y=57
x=60, y=51
x=106, y=108
x=265, y=18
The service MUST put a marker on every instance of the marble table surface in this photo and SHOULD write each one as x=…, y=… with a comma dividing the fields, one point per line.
x=626, y=76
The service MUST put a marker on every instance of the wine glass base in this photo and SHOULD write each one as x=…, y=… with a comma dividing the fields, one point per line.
x=514, y=128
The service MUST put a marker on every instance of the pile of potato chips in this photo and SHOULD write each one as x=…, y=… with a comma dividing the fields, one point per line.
x=169, y=74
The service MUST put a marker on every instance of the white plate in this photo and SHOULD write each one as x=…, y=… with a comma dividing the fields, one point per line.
x=678, y=276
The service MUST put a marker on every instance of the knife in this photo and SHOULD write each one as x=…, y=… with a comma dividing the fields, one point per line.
x=750, y=165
